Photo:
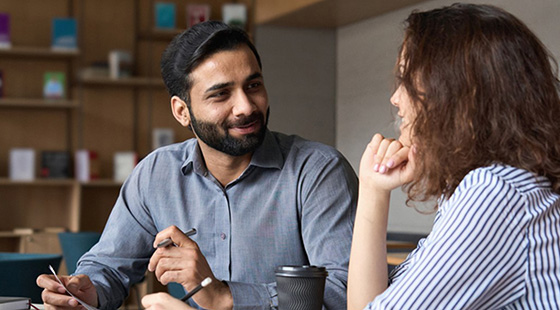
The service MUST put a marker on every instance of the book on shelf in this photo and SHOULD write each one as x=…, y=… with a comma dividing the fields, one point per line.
x=235, y=14
x=54, y=85
x=124, y=163
x=1, y=83
x=162, y=137
x=86, y=165
x=5, y=39
x=120, y=64
x=64, y=34
x=22, y=164
x=14, y=303
x=23, y=231
x=197, y=13
x=55, y=164
x=95, y=70
x=164, y=15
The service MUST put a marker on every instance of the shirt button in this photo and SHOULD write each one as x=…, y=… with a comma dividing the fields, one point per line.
x=223, y=236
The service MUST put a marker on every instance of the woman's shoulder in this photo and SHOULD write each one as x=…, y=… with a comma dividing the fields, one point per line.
x=514, y=178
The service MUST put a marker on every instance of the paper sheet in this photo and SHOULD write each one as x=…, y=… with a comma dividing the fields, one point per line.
x=83, y=303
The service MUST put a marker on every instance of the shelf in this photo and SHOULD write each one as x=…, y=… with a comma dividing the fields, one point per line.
x=160, y=34
x=39, y=182
x=38, y=103
x=101, y=183
x=322, y=13
x=38, y=52
x=123, y=82
x=61, y=182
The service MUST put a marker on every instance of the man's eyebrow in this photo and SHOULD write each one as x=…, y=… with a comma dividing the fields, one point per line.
x=214, y=87
x=253, y=76
x=218, y=86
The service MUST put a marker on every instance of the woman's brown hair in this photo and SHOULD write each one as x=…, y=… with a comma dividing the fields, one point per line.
x=484, y=92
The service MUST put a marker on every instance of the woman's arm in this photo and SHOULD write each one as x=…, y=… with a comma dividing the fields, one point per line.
x=385, y=165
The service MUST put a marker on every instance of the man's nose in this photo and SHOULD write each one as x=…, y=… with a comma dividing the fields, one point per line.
x=243, y=105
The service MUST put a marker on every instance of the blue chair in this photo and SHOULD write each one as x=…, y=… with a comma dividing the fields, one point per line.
x=19, y=272
x=74, y=245
x=176, y=290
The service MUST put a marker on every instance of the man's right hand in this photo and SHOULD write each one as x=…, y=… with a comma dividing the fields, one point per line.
x=185, y=264
x=55, y=296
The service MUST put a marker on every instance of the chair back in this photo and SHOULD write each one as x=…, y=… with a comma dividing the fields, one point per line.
x=175, y=289
x=74, y=245
x=19, y=272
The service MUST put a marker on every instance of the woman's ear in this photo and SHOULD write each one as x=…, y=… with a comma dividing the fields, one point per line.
x=180, y=111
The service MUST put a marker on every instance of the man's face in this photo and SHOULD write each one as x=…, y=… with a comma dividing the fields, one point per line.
x=229, y=103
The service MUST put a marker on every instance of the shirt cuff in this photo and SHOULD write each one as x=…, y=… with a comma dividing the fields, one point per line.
x=249, y=296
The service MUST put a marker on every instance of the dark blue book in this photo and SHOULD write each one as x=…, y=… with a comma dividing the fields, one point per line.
x=64, y=34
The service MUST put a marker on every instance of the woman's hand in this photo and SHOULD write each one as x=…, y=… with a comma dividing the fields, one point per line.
x=163, y=301
x=386, y=164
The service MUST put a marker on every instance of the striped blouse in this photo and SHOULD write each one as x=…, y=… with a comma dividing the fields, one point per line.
x=495, y=244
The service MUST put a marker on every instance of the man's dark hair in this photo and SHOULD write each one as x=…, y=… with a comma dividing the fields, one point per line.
x=190, y=48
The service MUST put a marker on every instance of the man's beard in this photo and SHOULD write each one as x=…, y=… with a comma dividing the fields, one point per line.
x=210, y=134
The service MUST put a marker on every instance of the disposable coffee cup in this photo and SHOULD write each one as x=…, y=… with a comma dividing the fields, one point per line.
x=300, y=287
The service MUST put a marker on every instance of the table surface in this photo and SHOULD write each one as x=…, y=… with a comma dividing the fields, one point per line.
x=396, y=258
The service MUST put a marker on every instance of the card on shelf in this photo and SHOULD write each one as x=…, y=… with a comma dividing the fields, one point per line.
x=197, y=13
x=124, y=163
x=120, y=64
x=164, y=15
x=235, y=14
x=22, y=164
x=64, y=34
x=54, y=85
x=5, y=39
x=86, y=165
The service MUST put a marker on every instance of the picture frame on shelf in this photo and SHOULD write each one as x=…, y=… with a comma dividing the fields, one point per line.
x=54, y=85
x=197, y=13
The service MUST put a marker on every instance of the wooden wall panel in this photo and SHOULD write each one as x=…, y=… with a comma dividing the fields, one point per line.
x=108, y=123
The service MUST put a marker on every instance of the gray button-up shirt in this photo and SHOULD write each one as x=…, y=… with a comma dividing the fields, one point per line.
x=293, y=205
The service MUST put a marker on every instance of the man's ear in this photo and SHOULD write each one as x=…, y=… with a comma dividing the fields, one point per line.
x=180, y=111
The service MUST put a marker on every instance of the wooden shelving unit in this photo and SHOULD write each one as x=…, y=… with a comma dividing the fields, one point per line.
x=100, y=114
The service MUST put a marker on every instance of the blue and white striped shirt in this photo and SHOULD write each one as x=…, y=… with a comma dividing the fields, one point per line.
x=495, y=244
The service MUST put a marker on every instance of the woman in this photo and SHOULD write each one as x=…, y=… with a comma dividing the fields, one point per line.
x=480, y=131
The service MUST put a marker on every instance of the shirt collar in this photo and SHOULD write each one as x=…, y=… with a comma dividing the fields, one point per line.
x=267, y=155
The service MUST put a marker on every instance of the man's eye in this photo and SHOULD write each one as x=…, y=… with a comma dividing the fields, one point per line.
x=254, y=85
x=218, y=94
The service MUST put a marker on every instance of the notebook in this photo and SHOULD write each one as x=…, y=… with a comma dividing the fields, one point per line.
x=14, y=303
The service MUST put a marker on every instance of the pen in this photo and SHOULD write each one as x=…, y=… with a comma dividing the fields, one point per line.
x=202, y=284
x=168, y=241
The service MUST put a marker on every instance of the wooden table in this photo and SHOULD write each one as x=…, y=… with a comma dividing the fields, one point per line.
x=393, y=245
x=396, y=258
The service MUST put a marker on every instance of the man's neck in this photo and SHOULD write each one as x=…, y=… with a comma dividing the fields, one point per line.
x=225, y=168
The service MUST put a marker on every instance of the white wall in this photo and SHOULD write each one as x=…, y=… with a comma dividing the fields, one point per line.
x=366, y=53
x=299, y=69
x=334, y=85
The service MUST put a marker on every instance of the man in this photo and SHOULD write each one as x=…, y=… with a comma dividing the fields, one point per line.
x=258, y=199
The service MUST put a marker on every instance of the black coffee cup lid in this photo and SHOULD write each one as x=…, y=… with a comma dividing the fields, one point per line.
x=301, y=271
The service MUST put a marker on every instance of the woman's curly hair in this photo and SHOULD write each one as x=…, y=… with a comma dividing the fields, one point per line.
x=484, y=91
